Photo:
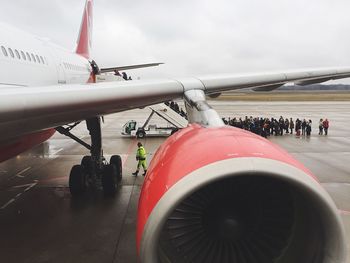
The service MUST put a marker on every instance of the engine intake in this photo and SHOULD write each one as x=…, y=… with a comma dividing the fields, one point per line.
x=243, y=219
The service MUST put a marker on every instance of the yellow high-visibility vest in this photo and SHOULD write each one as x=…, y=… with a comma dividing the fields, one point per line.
x=141, y=153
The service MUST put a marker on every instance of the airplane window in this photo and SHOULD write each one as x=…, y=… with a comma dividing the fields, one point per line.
x=37, y=58
x=4, y=51
x=33, y=57
x=42, y=60
x=11, y=53
x=17, y=54
x=23, y=55
x=28, y=56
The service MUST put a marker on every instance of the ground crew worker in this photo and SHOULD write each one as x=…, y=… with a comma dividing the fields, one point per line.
x=141, y=158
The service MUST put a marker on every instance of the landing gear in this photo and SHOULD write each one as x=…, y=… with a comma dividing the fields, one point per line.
x=77, y=180
x=109, y=179
x=117, y=161
x=94, y=170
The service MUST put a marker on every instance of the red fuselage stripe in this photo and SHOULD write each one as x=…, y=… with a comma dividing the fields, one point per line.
x=24, y=143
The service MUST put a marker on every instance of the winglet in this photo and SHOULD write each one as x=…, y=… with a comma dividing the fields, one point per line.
x=85, y=34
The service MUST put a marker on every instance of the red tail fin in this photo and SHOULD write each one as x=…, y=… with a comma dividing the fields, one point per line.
x=85, y=35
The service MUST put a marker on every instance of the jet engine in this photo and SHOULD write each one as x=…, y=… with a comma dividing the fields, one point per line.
x=227, y=195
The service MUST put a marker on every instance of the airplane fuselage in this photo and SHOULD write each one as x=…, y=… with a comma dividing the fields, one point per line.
x=29, y=61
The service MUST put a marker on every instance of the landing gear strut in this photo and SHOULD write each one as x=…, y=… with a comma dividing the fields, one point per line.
x=94, y=170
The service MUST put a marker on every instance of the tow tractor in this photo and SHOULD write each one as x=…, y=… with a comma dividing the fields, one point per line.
x=175, y=122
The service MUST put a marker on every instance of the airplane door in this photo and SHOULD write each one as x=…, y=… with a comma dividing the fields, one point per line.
x=61, y=74
x=58, y=64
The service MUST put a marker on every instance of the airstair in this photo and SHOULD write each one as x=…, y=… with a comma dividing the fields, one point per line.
x=168, y=114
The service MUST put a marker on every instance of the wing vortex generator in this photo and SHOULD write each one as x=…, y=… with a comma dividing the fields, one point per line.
x=234, y=197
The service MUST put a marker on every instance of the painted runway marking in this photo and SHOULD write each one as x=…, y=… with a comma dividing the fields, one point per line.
x=28, y=187
x=31, y=186
x=7, y=204
x=20, y=174
x=58, y=151
x=23, y=185
x=131, y=146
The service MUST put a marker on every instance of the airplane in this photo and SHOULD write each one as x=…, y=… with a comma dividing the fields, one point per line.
x=212, y=193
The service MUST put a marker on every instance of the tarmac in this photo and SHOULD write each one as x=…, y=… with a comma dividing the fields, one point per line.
x=41, y=222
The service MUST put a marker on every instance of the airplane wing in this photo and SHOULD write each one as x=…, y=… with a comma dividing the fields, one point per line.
x=26, y=110
x=105, y=70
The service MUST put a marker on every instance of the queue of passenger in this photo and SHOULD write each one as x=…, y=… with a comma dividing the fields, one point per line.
x=271, y=126
x=175, y=107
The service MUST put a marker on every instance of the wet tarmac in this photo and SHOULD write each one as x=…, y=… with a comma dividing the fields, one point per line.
x=40, y=222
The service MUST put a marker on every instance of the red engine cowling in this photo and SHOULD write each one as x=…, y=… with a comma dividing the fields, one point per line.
x=227, y=195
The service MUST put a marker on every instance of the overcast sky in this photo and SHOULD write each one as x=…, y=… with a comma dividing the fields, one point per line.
x=197, y=37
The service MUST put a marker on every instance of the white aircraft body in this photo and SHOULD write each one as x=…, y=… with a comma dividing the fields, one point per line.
x=44, y=88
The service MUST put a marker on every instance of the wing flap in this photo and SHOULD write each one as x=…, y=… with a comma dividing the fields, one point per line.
x=106, y=70
x=268, y=87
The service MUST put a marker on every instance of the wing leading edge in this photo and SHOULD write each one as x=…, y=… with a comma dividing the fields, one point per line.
x=26, y=110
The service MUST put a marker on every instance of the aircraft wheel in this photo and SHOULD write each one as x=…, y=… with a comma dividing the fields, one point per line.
x=140, y=134
x=109, y=179
x=89, y=170
x=116, y=160
x=77, y=180
x=86, y=162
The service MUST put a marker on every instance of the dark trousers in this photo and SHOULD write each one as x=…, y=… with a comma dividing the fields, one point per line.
x=325, y=131
x=320, y=131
